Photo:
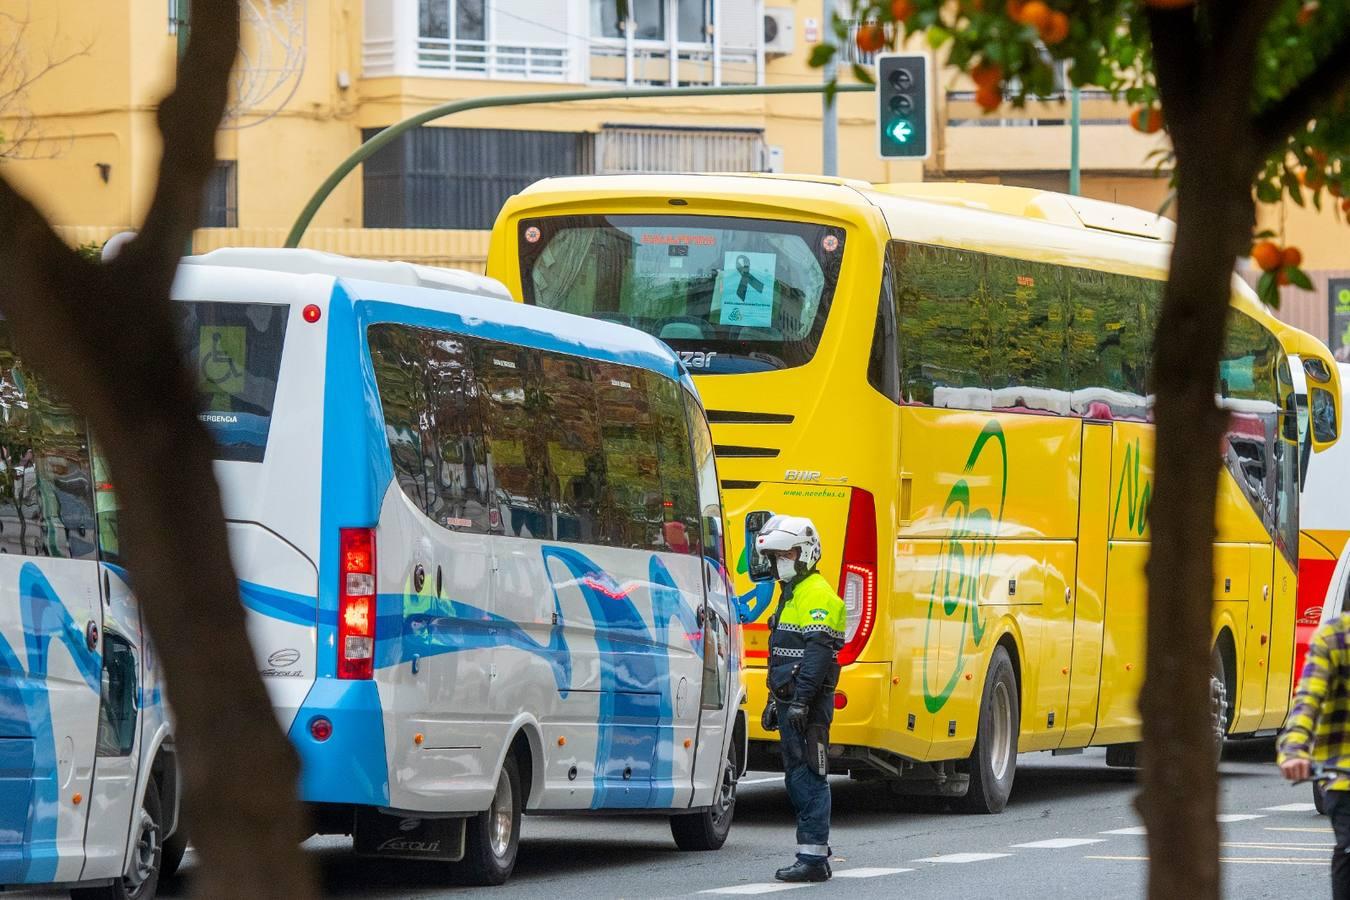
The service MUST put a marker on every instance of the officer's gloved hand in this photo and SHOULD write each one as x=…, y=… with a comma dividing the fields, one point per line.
x=768, y=719
x=796, y=716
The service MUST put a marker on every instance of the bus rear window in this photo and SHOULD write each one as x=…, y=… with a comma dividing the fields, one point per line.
x=727, y=294
x=234, y=353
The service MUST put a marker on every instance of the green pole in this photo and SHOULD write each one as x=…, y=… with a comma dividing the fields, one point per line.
x=1075, y=126
x=391, y=133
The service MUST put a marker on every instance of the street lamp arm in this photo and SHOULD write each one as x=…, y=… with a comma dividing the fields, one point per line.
x=367, y=149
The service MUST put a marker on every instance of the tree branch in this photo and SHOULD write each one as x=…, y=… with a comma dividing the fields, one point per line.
x=1274, y=124
x=1238, y=26
x=188, y=119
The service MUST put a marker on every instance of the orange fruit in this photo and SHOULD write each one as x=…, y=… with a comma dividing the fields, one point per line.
x=987, y=74
x=989, y=97
x=1306, y=13
x=1311, y=179
x=1036, y=14
x=1055, y=29
x=1268, y=256
x=1292, y=257
x=871, y=38
x=901, y=10
x=1014, y=8
x=1345, y=206
x=1148, y=119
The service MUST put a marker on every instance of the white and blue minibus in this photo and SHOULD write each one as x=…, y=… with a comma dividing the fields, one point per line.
x=88, y=782
x=481, y=549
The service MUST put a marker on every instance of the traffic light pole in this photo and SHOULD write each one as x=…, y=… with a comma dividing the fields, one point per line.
x=393, y=132
x=829, y=119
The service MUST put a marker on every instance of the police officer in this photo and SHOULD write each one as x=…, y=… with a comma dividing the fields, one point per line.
x=806, y=635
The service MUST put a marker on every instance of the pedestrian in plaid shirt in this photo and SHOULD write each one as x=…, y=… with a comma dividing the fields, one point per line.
x=1319, y=730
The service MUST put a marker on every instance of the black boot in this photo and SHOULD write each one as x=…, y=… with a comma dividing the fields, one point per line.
x=804, y=871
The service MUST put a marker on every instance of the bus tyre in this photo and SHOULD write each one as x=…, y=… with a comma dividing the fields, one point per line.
x=994, y=760
x=1218, y=702
x=143, y=868
x=492, y=838
x=708, y=828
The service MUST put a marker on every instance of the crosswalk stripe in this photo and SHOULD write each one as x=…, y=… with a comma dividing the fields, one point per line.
x=764, y=888
x=963, y=857
x=1238, y=817
x=1136, y=829
x=1302, y=830
x=1259, y=860
x=867, y=873
x=1058, y=843
x=1291, y=807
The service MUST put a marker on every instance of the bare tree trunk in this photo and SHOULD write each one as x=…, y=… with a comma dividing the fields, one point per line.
x=106, y=335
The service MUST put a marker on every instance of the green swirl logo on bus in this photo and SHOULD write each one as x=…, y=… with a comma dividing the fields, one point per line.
x=963, y=569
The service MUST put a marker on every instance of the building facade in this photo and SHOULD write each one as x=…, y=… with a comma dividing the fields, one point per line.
x=317, y=77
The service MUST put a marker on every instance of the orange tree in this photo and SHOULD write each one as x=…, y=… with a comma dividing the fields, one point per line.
x=1253, y=94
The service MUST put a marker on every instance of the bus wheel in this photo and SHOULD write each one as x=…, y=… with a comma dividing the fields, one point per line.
x=175, y=848
x=1218, y=703
x=492, y=837
x=708, y=828
x=994, y=760
x=142, y=877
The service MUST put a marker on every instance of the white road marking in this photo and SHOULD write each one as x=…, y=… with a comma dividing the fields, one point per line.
x=867, y=873
x=1135, y=829
x=1302, y=830
x=1299, y=848
x=1291, y=807
x=765, y=888
x=1262, y=860
x=1058, y=843
x=1238, y=817
x=963, y=857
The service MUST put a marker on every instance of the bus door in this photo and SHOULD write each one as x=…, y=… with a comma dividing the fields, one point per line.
x=118, y=746
x=1090, y=584
x=49, y=631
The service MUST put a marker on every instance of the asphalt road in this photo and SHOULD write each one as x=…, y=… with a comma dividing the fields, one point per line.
x=1069, y=831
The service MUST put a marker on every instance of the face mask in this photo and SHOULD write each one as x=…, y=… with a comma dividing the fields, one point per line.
x=787, y=569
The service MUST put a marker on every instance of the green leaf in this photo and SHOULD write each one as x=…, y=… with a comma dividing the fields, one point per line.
x=1292, y=187
x=1263, y=235
x=1299, y=277
x=1268, y=290
x=832, y=90
x=1267, y=192
x=822, y=54
x=937, y=36
x=863, y=74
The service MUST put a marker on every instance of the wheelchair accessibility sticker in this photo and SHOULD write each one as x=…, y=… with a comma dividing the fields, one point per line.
x=220, y=359
x=747, y=289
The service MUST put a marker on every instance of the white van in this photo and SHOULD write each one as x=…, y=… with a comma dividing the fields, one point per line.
x=88, y=782
x=481, y=547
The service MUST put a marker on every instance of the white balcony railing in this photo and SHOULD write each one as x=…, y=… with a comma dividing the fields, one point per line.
x=492, y=60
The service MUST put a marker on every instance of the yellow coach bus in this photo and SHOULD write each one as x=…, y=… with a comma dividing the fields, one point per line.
x=951, y=380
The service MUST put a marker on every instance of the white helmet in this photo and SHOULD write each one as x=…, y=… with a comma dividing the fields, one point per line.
x=785, y=532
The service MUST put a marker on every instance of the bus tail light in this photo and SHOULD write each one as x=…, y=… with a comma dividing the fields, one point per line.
x=858, y=575
x=356, y=603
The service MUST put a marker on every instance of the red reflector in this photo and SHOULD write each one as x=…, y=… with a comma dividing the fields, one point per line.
x=312, y=313
x=840, y=699
x=320, y=728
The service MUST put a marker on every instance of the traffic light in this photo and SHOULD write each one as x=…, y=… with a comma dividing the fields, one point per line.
x=903, y=110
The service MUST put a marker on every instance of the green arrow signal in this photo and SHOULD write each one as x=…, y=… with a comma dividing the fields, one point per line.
x=901, y=131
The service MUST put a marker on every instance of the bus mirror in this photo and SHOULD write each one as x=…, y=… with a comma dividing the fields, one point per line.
x=1323, y=409
x=759, y=566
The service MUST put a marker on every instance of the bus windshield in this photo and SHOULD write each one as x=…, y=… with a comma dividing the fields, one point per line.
x=730, y=295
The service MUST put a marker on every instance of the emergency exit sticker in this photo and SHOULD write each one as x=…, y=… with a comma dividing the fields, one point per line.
x=747, y=289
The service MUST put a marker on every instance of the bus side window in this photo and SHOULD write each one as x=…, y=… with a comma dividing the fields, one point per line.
x=680, y=502
x=509, y=404
x=716, y=605
x=883, y=362
x=631, y=507
x=576, y=454
x=117, y=706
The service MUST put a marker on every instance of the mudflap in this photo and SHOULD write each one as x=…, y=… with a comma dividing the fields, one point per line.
x=386, y=836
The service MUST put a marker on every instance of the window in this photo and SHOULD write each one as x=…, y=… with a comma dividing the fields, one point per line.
x=117, y=701
x=648, y=17
x=705, y=468
x=460, y=177
x=751, y=294
x=510, y=409
x=576, y=453
x=220, y=202
x=427, y=393
x=46, y=488
x=468, y=17
x=631, y=438
x=883, y=360
x=694, y=21
x=681, y=528
x=235, y=351
x=979, y=331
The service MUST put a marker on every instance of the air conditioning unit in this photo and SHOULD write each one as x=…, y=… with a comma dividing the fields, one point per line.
x=779, y=30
